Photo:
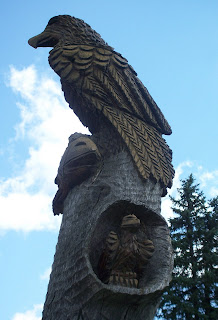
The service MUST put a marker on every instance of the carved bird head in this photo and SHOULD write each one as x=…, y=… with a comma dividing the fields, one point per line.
x=130, y=222
x=66, y=30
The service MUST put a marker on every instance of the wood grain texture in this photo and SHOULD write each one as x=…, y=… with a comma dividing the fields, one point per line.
x=91, y=211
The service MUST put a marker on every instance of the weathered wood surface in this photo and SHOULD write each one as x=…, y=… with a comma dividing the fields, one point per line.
x=127, y=127
x=91, y=210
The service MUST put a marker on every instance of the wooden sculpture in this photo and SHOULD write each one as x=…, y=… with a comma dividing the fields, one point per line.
x=109, y=263
x=80, y=160
x=104, y=90
x=124, y=258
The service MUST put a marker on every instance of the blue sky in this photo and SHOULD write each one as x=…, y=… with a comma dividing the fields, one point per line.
x=173, y=47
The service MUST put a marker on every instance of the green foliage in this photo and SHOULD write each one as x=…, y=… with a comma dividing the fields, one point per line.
x=193, y=290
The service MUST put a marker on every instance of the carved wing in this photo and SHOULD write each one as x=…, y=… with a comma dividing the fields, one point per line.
x=146, y=249
x=107, y=256
x=100, y=80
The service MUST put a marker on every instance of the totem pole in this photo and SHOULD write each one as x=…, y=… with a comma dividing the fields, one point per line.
x=113, y=257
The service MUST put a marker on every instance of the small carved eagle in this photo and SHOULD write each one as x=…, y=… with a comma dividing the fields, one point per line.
x=124, y=257
x=101, y=87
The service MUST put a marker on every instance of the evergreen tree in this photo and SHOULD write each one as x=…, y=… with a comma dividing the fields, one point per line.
x=193, y=292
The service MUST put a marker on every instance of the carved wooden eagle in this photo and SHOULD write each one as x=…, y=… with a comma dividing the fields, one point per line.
x=124, y=258
x=101, y=87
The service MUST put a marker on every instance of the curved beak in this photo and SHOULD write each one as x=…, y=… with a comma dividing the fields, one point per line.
x=44, y=39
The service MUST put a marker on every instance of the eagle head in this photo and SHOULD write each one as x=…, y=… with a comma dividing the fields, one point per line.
x=66, y=30
x=130, y=222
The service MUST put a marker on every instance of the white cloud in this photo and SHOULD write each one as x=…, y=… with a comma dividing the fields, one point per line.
x=166, y=204
x=213, y=192
x=34, y=314
x=209, y=181
x=46, y=122
x=46, y=274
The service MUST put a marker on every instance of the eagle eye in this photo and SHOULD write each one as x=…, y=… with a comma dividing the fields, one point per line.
x=80, y=144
